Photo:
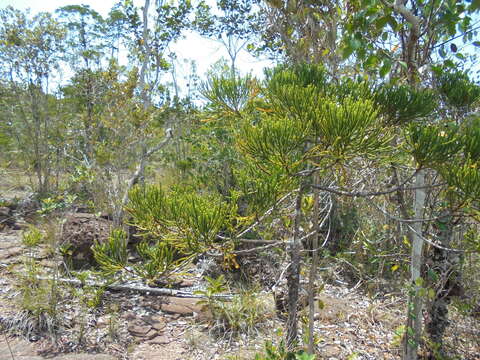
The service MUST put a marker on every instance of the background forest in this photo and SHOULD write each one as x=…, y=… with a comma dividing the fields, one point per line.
x=354, y=161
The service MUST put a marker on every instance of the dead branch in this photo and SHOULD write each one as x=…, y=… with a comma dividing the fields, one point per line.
x=137, y=288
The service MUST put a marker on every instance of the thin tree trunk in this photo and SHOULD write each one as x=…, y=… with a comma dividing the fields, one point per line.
x=445, y=265
x=415, y=303
x=293, y=278
x=313, y=268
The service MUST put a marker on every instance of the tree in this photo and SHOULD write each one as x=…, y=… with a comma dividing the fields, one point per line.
x=29, y=57
x=304, y=31
x=86, y=41
x=404, y=34
x=309, y=125
x=234, y=27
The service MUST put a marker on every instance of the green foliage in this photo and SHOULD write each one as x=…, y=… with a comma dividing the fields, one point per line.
x=457, y=89
x=280, y=352
x=471, y=139
x=261, y=185
x=300, y=75
x=32, y=237
x=400, y=104
x=433, y=145
x=464, y=179
x=275, y=144
x=38, y=299
x=158, y=261
x=304, y=121
x=230, y=94
x=112, y=255
x=350, y=129
x=51, y=204
x=214, y=287
x=243, y=314
x=188, y=221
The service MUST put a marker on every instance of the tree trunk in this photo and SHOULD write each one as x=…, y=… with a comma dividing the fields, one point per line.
x=313, y=268
x=443, y=263
x=293, y=278
x=415, y=303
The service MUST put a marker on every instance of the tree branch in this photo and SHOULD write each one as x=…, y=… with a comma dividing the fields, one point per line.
x=374, y=193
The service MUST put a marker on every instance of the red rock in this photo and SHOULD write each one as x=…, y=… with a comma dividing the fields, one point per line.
x=181, y=306
x=160, y=340
x=139, y=330
x=187, y=283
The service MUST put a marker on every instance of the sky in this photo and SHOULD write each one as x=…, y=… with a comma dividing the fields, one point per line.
x=193, y=47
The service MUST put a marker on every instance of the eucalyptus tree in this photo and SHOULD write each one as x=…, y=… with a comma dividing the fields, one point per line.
x=86, y=39
x=235, y=24
x=30, y=54
x=151, y=31
x=304, y=31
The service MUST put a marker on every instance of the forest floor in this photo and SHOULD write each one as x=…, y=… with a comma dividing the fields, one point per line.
x=128, y=325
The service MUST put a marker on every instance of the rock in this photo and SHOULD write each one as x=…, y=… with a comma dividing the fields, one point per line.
x=11, y=252
x=24, y=350
x=181, y=306
x=175, y=316
x=157, y=322
x=20, y=225
x=85, y=357
x=129, y=316
x=204, y=316
x=7, y=220
x=4, y=211
x=80, y=232
x=139, y=329
x=160, y=340
x=187, y=283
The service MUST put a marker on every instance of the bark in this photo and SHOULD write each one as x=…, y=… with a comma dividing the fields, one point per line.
x=444, y=264
x=118, y=217
x=293, y=277
x=313, y=269
x=415, y=303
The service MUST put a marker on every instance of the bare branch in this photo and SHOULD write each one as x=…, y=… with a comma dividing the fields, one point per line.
x=375, y=193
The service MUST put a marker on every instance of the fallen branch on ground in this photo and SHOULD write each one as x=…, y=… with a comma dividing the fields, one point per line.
x=136, y=288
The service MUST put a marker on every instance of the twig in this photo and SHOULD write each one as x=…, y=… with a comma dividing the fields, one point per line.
x=8, y=345
x=259, y=248
x=374, y=193
x=407, y=220
x=268, y=212
x=435, y=245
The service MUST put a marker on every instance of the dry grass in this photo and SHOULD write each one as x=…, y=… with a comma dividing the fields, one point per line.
x=14, y=184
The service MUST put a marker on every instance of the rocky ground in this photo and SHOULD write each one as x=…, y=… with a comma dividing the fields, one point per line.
x=133, y=325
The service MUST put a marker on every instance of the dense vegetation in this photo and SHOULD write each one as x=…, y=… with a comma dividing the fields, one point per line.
x=361, y=147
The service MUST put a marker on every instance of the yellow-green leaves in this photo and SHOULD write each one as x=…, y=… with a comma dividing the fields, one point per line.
x=348, y=129
x=311, y=119
x=432, y=145
x=399, y=105
x=457, y=89
x=112, y=255
x=186, y=220
x=276, y=141
x=229, y=94
x=464, y=180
